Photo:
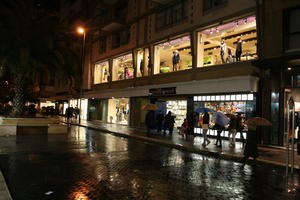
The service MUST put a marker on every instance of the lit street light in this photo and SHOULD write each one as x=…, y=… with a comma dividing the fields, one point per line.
x=81, y=31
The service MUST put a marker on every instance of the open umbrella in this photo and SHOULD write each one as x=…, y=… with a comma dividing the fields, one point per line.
x=203, y=110
x=220, y=119
x=258, y=121
x=149, y=107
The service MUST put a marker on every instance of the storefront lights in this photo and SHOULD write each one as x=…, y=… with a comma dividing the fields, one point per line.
x=232, y=97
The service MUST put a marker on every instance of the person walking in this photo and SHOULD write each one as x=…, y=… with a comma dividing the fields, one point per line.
x=169, y=123
x=205, y=127
x=149, y=121
x=232, y=131
x=251, y=144
x=191, y=124
x=184, y=129
x=159, y=121
x=220, y=122
x=240, y=127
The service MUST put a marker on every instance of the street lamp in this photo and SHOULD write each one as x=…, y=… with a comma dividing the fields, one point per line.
x=81, y=31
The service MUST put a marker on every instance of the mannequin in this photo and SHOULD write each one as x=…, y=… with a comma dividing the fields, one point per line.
x=222, y=50
x=176, y=60
x=142, y=65
x=229, y=56
x=238, y=51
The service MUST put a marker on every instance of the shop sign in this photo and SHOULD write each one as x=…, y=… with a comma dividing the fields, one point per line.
x=162, y=91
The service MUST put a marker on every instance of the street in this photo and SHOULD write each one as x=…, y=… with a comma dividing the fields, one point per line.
x=87, y=164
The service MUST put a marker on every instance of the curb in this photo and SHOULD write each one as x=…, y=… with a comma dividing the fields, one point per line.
x=206, y=152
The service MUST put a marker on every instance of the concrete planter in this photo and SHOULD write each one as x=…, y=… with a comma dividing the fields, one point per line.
x=14, y=126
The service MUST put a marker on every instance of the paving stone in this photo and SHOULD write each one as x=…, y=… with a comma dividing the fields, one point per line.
x=88, y=165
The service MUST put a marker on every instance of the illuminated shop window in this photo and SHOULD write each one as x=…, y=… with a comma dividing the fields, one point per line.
x=195, y=98
x=123, y=68
x=233, y=97
x=174, y=55
x=143, y=67
x=250, y=97
x=231, y=42
x=101, y=72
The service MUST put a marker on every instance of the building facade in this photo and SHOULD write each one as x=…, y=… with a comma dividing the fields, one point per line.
x=186, y=54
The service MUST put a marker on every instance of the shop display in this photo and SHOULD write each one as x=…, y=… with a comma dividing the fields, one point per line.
x=173, y=55
x=178, y=109
x=123, y=67
x=101, y=73
x=238, y=42
x=175, y=60
x=118, y=111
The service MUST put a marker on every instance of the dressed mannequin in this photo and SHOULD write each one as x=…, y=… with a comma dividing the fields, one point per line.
x=176, y=60
x=222, y=50
x=229, y=57
x=105, y=75
x=142, y=65
x=239, y=50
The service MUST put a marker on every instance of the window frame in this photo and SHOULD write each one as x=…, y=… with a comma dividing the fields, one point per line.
x=286, y=30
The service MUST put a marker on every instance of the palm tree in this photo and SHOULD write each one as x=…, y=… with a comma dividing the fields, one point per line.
x=33, y=43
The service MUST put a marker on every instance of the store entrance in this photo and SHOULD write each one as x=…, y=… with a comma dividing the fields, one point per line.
x=178, y=108
x=295, y=94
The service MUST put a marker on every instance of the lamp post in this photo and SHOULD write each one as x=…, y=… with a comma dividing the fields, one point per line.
x=81, y=31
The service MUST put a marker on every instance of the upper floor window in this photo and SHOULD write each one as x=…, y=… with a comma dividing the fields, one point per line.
x=123, y=67
x=102, y=45
x=172, y=15
x=231, y=42
x=101, y=72
x=211, y=4
x=292, y=30
x=120, y=38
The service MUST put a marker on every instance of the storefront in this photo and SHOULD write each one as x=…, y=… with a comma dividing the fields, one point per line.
x=174, y=55
x=118, y=111
x=244, y=104
x=101, y=72
x=227, y=43
x=176, y=105
x=123, y=67
x=98, y=109
x=143, y=67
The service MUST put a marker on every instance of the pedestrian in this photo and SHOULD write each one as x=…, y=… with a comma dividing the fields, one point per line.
x=251, y=144
x=159, y=121
x=205, y=127
x=149, y=121
x=220, y=122
x=184, y=128
x=191, y=124
x=169, y=123
x=232, y=131
x=240, y=127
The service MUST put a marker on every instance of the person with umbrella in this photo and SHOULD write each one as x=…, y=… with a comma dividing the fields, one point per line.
x=150, y=121
x=220, y=122
x=159, y=121
x=252, y=138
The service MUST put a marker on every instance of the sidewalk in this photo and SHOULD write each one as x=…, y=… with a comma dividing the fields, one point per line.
x=271, y=155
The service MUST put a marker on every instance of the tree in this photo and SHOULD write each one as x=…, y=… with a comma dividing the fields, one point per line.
x=34, y=43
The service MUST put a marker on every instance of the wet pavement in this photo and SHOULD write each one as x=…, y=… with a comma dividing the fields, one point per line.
x=87, y=164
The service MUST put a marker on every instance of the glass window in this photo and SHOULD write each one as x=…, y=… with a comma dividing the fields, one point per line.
x=232, y=98
x=227, y=43
x=207, y=98
x=195, y=98
x=211, y=4
x=101, y=72
x=250, y=97
x=172, y=56
x=227, y=98
x=213, y=98
x=102, y=45
x=123, y=68
x=199, y=98
x=143, y=67
x=218, y=98
x=244, y=97
x=238, y=97
x=292, y=31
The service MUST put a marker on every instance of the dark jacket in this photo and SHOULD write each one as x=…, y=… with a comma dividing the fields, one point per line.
x=206, y=118
x=150, y=119
x=159, y=118
x=232, y=124
x=169, y=121
x=251, y=145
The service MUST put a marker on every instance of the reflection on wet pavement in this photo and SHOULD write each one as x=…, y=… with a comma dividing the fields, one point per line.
x=86, y=165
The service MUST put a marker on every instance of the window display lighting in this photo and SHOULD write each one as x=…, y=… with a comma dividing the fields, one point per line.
x=233, y=97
